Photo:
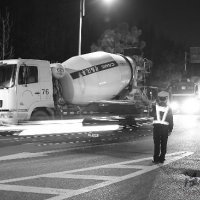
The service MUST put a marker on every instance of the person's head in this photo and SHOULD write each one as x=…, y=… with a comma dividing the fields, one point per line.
x=163, y=98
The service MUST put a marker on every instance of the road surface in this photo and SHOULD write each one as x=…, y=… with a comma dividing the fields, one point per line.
x=111, y=165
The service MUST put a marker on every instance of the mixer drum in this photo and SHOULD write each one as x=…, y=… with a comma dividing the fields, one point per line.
x=95, y=76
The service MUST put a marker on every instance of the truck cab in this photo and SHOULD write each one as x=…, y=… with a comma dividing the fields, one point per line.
x=25, y=88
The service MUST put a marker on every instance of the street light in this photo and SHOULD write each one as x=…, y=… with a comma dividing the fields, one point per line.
x=82, y=14
x=108, y=2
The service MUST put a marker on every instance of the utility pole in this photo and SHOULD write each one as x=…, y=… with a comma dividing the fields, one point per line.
x=185, y=61
x=82, y=14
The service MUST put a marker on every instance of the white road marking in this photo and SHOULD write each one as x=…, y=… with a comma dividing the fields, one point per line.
x=27, y=155
x=20, y=156
x=62, y=194
x=38, y=190
x=80, y=176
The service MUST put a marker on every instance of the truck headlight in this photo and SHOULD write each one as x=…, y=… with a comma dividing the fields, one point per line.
x=174, y=105
x=190, y=106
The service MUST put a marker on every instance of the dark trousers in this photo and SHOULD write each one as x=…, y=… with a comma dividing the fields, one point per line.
x=160, y=137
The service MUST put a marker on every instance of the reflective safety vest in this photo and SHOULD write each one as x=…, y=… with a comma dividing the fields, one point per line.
x=159, y=120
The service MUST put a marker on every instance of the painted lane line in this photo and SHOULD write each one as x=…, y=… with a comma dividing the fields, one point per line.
x=38, y=190
x=21, y=156
x=63, y=194
x=107, y=183
x=24, y=155
x=80, y=176
x=114, y=165
x=128, y=167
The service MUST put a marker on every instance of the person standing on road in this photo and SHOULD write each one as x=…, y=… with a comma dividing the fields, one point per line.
x=162, y=126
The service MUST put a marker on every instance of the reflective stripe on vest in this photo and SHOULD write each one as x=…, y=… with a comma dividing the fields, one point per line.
x=159, y=120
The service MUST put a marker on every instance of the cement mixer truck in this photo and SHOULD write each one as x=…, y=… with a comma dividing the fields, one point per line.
x=36, y=90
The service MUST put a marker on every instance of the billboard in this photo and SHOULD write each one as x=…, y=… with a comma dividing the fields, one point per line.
x=194, y=54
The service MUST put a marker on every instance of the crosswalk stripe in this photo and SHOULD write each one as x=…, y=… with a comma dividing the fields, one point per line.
x=62, y=194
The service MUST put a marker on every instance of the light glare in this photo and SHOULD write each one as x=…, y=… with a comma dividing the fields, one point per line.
x=66, y=128
x=108, y=2
x=174, y=105
x=190, y=106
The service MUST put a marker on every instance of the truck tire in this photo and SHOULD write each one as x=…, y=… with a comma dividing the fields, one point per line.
x=39, y=115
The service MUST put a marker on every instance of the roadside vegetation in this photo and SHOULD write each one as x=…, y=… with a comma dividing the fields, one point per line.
x=166, y=55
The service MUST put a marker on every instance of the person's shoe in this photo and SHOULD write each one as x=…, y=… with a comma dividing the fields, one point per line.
x=155, y=161
x=161, y=160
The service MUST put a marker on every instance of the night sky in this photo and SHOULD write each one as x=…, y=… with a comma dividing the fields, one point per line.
x=48, y=29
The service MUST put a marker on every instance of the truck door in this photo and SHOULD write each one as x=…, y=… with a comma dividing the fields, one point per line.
x=28, y=90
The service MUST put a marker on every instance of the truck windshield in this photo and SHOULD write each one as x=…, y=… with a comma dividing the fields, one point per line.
x=7, y=75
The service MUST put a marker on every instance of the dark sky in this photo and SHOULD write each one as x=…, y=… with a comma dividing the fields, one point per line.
x=48, y=29
x=180, y=19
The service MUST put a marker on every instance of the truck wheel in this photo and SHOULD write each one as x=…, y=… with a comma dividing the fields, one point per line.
x=39, y=115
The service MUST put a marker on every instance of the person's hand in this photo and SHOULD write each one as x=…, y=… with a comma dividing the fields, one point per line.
x=169, y=133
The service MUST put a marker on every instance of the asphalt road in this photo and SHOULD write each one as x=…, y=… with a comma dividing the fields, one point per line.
x=107, y=165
